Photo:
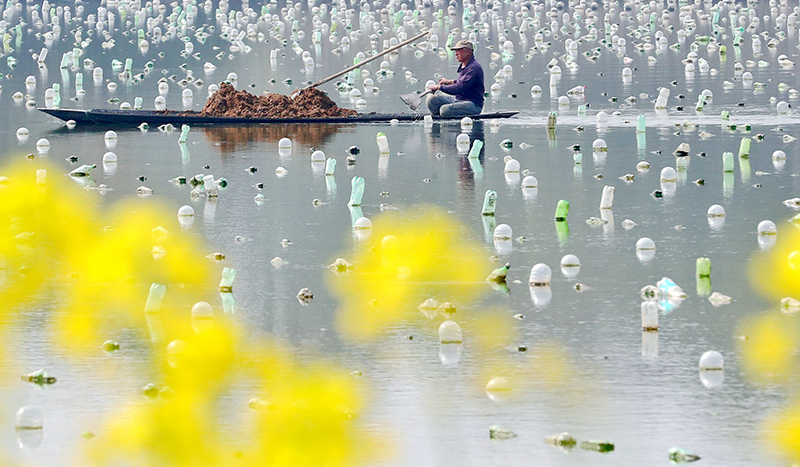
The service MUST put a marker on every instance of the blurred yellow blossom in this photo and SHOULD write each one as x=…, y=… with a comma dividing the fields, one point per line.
x=776, y=274
x=783, y=429
x=407, y=259
x=55, y=243
x=303, y=416
x=770, y=348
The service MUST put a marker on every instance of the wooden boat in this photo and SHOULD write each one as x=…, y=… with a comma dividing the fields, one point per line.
x=161, y=117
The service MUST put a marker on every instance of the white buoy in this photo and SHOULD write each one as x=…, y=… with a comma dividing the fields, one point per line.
x=712, y=361
x=767, y=228
x=186, y=211
x=462, y=142
x=540, y=275
x=202, y=310
x=563, y=102
x=212, y=88
x=450, y=333
x=601, y=118
x=502, y=232
x=511, y=166
x=530, y=182
x=599, y=145
x=466, y=124
x=43, y=146
x=498, y=389
x=782, y=108
x=29, y=418
x=362, y=223
x=109, y=135
x=645, y=243
x=317, y=156
x=160, y=103
x=669, y=174
x=109, y=157
x=716, y=211
x=570, y=265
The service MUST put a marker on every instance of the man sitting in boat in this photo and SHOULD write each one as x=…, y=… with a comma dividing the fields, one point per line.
x=462, y=96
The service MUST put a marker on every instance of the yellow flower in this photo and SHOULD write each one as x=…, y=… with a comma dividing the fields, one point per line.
x=783, y=429
x=770, y=348
x=304, y=416
x=56, y=246
x=406, y=260
x=777, y=274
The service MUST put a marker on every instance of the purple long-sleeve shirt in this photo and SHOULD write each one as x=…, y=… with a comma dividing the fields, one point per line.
x=469, y=85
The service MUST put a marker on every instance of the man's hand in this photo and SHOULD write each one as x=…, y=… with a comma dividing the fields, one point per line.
x=434, y=87
x=446, y=81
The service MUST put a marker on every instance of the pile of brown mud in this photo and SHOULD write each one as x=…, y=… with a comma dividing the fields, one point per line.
x=309, y=103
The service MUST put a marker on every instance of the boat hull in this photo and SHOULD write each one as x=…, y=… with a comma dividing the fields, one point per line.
x=154, y=117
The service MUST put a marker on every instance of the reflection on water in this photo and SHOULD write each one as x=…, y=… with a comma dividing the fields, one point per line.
x=230, y=139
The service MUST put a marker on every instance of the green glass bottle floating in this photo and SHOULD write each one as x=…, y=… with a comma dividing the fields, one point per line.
x=499, y=274
x=357, y=185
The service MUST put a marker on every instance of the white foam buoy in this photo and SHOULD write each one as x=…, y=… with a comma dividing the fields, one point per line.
x=109, y=157
x=160, y=103
x=462, y=142
x=43, y=146
x=29, y=418
x=284, y=147
x=186, y=211
x=502, y=232
x=450, y=333
x=570, y=265
x=530, y=182
x=540, y=275
x=498, y=389
x=202, y=310
x=645, y=243
x=362, y=223
x=669, y=174
x=511, y=166
x=599, y=145
x=716, y=211
x=767, y=228
x=712, y=361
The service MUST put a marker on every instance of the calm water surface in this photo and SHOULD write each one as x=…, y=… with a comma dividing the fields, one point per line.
x=641, y=391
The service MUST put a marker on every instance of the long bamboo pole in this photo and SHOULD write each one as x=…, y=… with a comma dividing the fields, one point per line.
x=374, y=57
